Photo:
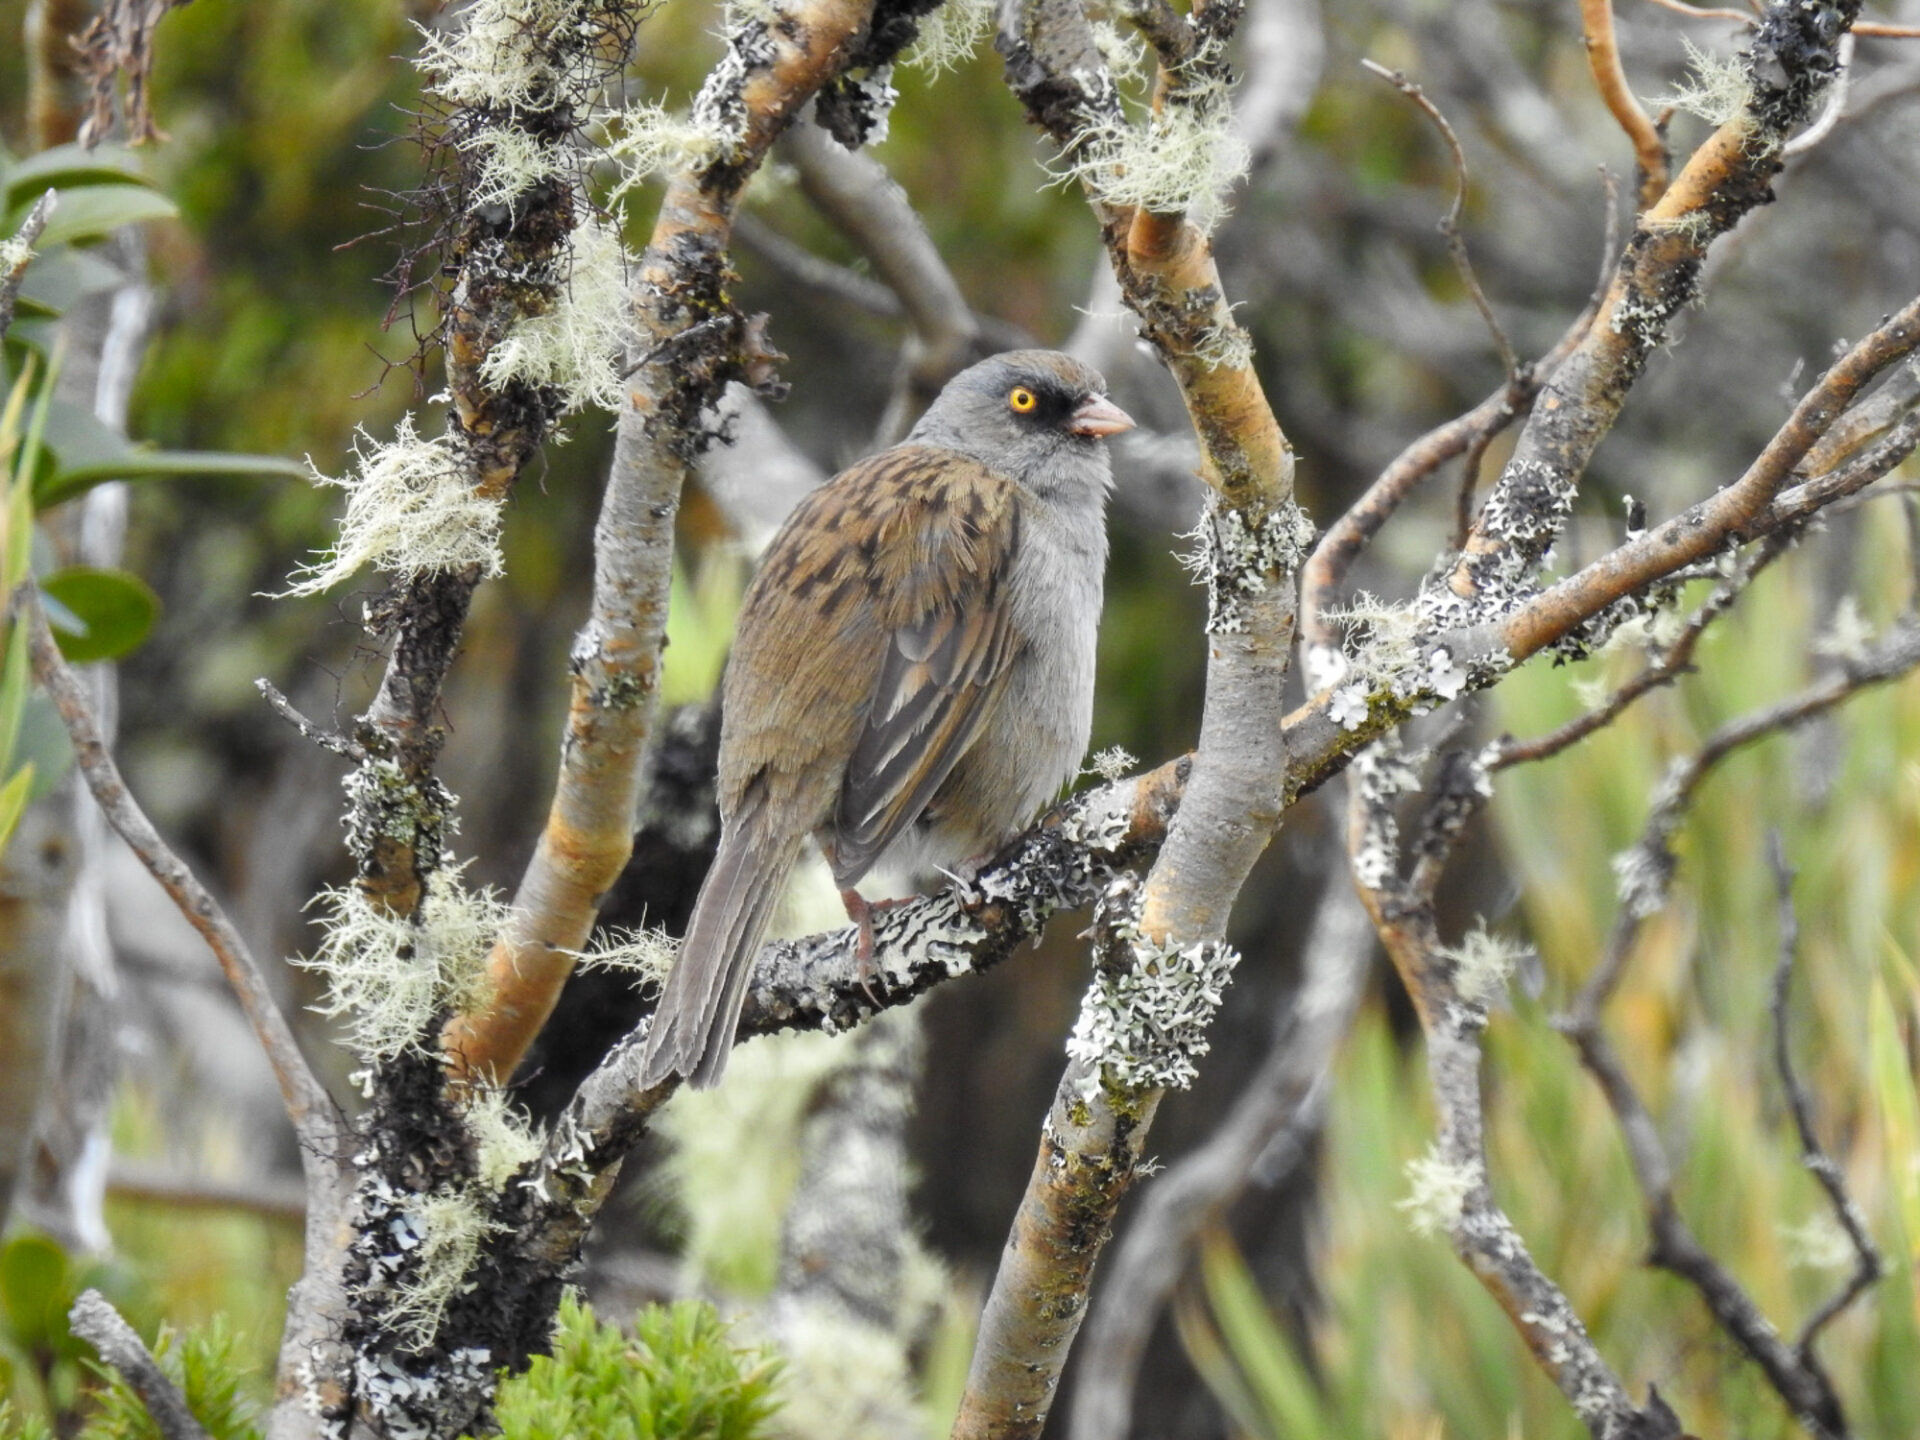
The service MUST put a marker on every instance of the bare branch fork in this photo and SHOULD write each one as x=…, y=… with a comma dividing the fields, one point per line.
x=1646, y=873
x=1452, y=1193
x=1869, y=1266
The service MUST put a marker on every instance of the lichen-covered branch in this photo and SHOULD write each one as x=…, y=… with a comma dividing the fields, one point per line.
x=1792, y=57
x=1156, y=188
x=1343, y=541
x=1278, y=1107
x=1417, y=667
x=16, y=253
x=816, y=983
x=1451, y=990
x=693, y=341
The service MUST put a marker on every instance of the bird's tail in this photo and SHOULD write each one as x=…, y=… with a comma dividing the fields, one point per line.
x=700, y=1004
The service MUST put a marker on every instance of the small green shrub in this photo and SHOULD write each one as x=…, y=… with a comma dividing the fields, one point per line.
x=677, y=1377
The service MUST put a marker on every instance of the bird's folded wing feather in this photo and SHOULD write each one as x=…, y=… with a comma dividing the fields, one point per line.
x=942, y=601
x=881, y=613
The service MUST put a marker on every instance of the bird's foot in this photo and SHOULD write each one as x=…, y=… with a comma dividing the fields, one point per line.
x=861, y=911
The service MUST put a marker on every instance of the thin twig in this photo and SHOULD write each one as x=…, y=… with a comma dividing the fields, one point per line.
x=29, y=231
x=854, y=193
x=837, y=283
x=1674, y=661
x=1868, y=1264
x=1450, y=224
x=1610, y=79
x=1697, y=12
x=326, y=739
x=316, y=1120
x=1646, y=876
x=95, y=1320
x=1452, y=1021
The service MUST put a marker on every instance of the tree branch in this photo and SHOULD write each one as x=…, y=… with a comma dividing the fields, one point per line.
x=316, y=1119
x=1868, y=1264
x=1646, y=874
x=1791, y=57
x=1280, y=1101
x=854, y=192
x=1452, y=1193
x=680, y=294
x=1610, y=79
x=1167, y=934
x=96, y=1321
x=21, y=256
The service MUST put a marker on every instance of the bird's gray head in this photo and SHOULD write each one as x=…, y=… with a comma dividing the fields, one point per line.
x=1036, y=416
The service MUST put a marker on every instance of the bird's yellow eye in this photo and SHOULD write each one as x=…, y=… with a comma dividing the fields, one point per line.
x=1021, y=400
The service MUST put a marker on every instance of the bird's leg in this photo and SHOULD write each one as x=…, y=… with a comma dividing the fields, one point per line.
x=860, y=910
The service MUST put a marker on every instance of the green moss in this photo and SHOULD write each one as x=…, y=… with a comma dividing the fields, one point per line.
x=676, y=1375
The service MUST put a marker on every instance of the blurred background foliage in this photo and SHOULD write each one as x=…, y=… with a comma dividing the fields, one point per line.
x=1316, y=1311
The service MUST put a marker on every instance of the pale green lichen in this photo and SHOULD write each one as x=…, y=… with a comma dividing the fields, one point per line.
x=1483, y=963
x=1224, y=347
x=447, y=1229
x=1819, y=1242
x=1847, y=635
x=410, y=510
x=1716, y=88
x=506, y=54
x=389, y=976
x=1110, y=764
x=949, y=36
x=1440, y=1190
x=1143, y=1022
x=645, y=954
x=1124, y=52
x=647, y=139
x=14, y=255
x=577, y=345
x=1182, y=160
x=506, y=162
x=505, y=1139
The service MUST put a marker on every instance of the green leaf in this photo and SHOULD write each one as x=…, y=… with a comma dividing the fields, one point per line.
x=1264, y=1353
x=53, y=283
x=71, y=166
x=1899, y=1105
x=36, y=1287
x=14, y=796
x=118, y=610
x=67, y=481
x=14, y=690
x=95, y=210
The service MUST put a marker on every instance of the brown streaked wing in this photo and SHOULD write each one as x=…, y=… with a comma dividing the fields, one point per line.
x=943, y=562
x=810, y=640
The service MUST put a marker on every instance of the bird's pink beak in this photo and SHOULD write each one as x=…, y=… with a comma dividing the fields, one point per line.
x=1098, y=415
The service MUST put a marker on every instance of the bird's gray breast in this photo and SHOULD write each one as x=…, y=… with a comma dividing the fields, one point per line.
x=1035, y=739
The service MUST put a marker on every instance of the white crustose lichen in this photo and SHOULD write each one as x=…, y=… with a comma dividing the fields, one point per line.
x=1144, y=1020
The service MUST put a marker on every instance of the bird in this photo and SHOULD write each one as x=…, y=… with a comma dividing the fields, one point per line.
x=911, y=674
